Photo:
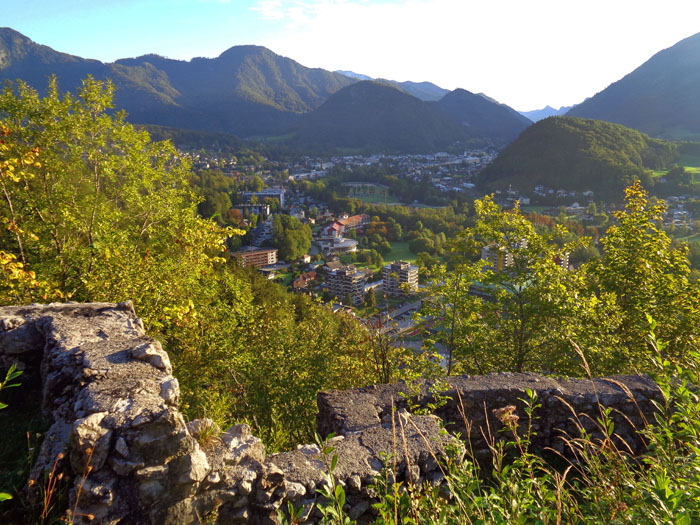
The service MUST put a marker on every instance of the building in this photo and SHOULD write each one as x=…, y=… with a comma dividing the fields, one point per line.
x=354, y=222
x=334, y=229
x=341, y=226
x=332, y=266
x=498, y=257
x=562, y=260
x=347, y=280
x=267, y=193
x=302, y=282
x=257, y=257
x=262, y=234
x=260, y=209
x=337, y=245
x=399, y=278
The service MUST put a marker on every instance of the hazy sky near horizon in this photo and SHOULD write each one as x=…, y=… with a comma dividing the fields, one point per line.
x=525, y=53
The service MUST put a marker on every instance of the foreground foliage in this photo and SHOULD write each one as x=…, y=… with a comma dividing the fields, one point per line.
x=520, y=307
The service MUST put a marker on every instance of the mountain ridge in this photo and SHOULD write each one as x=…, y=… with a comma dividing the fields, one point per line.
x=375, y=115
x=246, y=90
x=497, y=121
x=386, y=115
x=659, y=97
x=252, y=92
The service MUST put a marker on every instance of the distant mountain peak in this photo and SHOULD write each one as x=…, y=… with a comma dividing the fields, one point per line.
x=482, y=115
x=378, y=116
x=8, y=32
x=18, y=51
x=660, y=97
x=548, y=111
x=352, y=74
x=246, y=49
x=490, y=99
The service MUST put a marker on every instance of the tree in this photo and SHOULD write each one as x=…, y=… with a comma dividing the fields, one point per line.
x=537, y=305
x=427, y=261
x=421, y=244
x=255, y=184
x=647, y=276
x=215, y=206
x=291, y=237
x=517, y=308
x=370, y=299
x=395, y=232
x=377, y=259
x=456, y=311
x=17, y=283
x=108, y=214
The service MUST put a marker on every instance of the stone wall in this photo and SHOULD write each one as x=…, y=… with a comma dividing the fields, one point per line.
x=118, y=434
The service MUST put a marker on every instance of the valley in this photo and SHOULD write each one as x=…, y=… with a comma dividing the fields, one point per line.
x=291, y=232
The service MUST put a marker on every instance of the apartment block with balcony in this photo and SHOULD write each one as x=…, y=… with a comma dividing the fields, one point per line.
x=399, y=278
x=347, y=280
x=257, y=257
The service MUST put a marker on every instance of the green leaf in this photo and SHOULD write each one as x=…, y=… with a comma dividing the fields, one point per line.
x=683, y=520
x=340, y=496
x=4, y=496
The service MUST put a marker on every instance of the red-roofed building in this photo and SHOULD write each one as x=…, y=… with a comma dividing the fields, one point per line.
x=302, y=282
x=354, y=222
x=339, y=227
x=334, y=229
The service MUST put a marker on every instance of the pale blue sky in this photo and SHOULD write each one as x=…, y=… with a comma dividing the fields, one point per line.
x=525, y=53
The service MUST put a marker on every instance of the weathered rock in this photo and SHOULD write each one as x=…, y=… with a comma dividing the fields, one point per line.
x=192, y=468
x=170, y=391
x=154, y=354
x=121, y=447
x=241, y=445
x=294, y=490
x=90, y=443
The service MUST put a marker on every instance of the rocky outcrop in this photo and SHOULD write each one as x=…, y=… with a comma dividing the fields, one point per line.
x=118, y=434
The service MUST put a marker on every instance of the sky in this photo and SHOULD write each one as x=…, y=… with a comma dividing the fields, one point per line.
x=524, y=53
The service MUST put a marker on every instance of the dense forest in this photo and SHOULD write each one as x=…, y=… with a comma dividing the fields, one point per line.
x=93, y=210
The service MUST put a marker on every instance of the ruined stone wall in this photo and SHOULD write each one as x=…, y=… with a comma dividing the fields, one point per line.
x=117, y=431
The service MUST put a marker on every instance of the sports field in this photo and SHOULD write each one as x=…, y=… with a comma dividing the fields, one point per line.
x=399, y=252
